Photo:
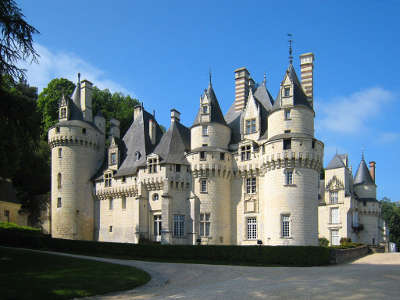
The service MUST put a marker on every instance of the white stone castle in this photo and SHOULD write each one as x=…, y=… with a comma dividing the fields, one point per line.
x=251, y=176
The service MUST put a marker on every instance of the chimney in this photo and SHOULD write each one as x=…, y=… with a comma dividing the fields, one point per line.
x=152, y=131
x=242, y=77
x=86, y=100
x=136, y=111
x=175, y=115
x=307, y=71
x=114, y=128
x=372, y=165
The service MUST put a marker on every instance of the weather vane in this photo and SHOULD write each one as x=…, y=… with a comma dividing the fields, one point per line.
x=290, y=48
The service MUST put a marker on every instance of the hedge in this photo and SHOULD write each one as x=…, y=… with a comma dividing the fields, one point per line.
x=236, y=255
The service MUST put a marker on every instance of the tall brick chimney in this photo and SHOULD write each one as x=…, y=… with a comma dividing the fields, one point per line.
x=242, y=77
x=372, y=165
x=307, y=71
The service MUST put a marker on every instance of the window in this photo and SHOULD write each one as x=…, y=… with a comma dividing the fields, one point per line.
x=83, y=130
x=107, y=179
x=177, y=168
x=203, y=186
x=179, y=225
x=205, y=130
x=285, y=225
x=335, y=238
x=333, y=197
x=287, y=91
x=110, y=203
x=289, y=177
x=287, y=114
x=59, y=152
x=59, y=204
x=123, y=179
x=313, y=144
x=57, y=129
x=205, y=224
x=202, y=155
x=222, y=156
x=7, y=215
x=63, y=113
x=287, y=144
x=59, y=180
x=204, y=145
x=250, y=126
x=113, y=158
x=137, y=155
x=123, y=203
x=251, y=185
x=205, y=109
x=245, y=152
x=251, y=228
x=152, y=165
x=287, y=131
x=335, y=215
x=155, y=197
x=355, y=219
x=157, y=225
x=110, y=229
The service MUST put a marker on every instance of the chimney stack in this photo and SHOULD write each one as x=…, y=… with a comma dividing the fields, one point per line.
x=307, y=72
x=136, y=111
x=372, y=165
x=242, y=78
x=175, y=115
x=86, y=100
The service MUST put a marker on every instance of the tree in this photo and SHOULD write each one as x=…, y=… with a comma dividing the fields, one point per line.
x=390, y=212
x=48, y=102
x=16, y=42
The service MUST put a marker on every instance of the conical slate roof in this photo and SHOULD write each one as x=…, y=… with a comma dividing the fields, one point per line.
x=363, y=176
x=216, y=115
x=299, y=97
x=337, y=162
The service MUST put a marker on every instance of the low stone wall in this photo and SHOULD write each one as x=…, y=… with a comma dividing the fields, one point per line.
x=339, y=256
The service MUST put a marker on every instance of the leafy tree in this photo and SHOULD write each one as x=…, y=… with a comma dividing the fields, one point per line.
x=16, y=42
x=48, y=102
x=391, y=214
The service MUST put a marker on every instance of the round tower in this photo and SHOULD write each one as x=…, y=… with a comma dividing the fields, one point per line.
x=292, y=162
x=211, y=166
x=77, y=152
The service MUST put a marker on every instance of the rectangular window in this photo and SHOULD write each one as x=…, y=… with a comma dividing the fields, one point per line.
x=287, y=144
x=202, y=155
x=57, y=129
x=123, y=179
x=313, y=144
x=287, y=91
x=335, y=238
x=110, y=204
x=123, y=203
x=205, y=224
x=333, y=197
x=203, y=186
x=113, y=158
x=246, y=153
x=335, y=215
x=59, y=204
x=205, y=109
x=287, y=114
x=205, y=130
x=63, y=113
x=157, y=225
x=285, y=226
x=289, y=177
x=59, y=152
x=83, y=130
x=222, y=156
x=179, y=225
x=355, y=219
x=250, y=126
x=7, y=215
x=287, y=131
x=251, y=228
x=110, y=229
x=152, y=165
x=177, y=168
x=107, y=179
x=251, y=185
x=253, y=125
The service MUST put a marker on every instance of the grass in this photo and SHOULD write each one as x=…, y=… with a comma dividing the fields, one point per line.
x=29, y=275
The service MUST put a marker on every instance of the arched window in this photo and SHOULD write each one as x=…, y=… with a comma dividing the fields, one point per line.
x=59, y=180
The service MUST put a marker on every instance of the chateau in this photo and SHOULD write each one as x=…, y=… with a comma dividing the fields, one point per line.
x=249, y=176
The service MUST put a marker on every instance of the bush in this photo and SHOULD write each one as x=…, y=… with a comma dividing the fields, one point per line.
x=15, y=227
x=323, y=242
x=236, y=255
x=344, y=240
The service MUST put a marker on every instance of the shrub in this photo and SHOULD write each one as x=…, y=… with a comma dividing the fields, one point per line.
x=15, y=227
x=344, y=240
x=323, y=242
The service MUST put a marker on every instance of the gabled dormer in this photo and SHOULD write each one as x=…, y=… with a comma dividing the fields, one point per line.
x=63, y=109
x=251, y=119
x=114, y=156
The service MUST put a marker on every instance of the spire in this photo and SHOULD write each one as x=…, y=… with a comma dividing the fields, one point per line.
x=290, y=48
x=265, y=80
x=209, y=74
x=362, y=175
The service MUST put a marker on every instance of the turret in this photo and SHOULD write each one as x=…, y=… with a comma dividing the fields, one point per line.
x=364, y=185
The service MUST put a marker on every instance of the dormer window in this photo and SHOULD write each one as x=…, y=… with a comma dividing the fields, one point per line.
x=245, y=152
x=286, y=92
x=107, y=180
x=137, y=155
x=250, y=126
x=63, y=113
x=205, y=130
x=113, y=158
x=152, y=165
x=205, y=109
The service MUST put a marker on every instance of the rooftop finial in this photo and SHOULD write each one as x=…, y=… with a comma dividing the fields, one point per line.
x=362, y=154
x=79, y=77
x=210, y=75
x=290, y=48
x=265, y=79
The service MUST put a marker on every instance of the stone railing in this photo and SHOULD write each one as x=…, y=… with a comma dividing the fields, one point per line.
x=339, y=256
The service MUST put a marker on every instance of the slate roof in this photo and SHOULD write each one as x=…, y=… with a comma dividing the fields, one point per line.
x=216, y=115
x=299, y=97
x=337, y=162
x=362, y=175
x=75, y=104
x=233, y=117
x=174, y=143
x=137, y=139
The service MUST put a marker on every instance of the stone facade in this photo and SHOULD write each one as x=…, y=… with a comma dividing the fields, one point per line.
x=251, y=176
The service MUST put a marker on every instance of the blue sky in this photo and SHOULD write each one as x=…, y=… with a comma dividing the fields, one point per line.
x=161, y=53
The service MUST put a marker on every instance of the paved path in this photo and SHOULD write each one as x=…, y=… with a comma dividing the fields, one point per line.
x=375, y=276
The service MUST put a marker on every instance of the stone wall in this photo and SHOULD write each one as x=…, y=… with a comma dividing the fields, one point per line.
x=339, y=256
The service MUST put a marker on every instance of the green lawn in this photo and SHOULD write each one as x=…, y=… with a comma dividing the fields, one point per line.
x=29, y=275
